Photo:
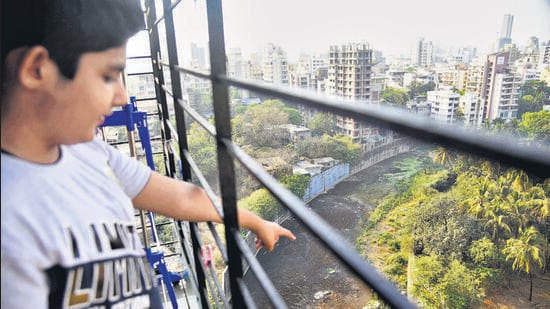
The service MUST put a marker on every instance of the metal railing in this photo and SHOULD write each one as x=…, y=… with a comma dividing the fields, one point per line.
x=235, y=251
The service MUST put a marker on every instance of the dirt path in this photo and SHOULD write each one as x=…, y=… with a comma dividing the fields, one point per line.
x=304, y=272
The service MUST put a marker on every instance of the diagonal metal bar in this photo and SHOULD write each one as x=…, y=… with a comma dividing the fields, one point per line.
x=331, y=238
x=260, y=274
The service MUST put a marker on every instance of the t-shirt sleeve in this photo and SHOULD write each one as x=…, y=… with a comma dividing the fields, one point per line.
x=132, y=174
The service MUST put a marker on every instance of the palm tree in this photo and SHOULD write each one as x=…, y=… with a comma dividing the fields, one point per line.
x=538, y=203
x=525, y=253
x=496, y=222
x=478, y=201
x=519, y=180
x=443, y=156
x=491, y=169
x=517, y=212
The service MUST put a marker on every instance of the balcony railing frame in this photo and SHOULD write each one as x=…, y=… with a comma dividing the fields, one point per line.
x=236, y=252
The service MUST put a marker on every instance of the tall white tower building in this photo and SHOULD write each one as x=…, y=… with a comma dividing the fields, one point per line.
x=275, y=65
x=500, y=90
x=444, y=104
x=349, y=75
x=505, y=31
x=424, y=53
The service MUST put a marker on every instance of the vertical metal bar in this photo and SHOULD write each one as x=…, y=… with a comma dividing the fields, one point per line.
x=182, y=140
x=154, y=45
x=132, y=145
x=225, y=163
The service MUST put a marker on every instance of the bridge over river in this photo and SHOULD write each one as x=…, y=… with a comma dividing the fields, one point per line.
x=305, y=273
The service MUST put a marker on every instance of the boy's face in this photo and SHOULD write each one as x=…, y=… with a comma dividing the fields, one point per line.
x=80, y=105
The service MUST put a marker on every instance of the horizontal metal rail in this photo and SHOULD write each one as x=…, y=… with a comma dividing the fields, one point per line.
x=507, y=149
x=139, y=73
x=139, y=57
x=535, y=160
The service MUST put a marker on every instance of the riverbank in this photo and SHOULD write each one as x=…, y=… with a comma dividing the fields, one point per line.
x=304, y=272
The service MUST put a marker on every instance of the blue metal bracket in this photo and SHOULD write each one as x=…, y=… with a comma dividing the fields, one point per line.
x=130, y=117
x=156, y=259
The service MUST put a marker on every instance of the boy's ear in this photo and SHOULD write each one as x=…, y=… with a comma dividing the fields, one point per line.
x=34, y=68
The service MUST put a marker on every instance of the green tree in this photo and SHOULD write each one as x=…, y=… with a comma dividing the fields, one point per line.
x=296, y=183
x=429, y=269
x=495, y=223
x=202, y=147
x=261, y=202
x=525, y=254
x=200, y=100
x=443, y=156
x=438, y=228
x=533, y=95
x=477, y=195
x=261, y=125
x=395, y=95
x=461, y=287
x=341, y=148
x=417, y=88
x=294, y=116
x=536, y=126
x=322, y=123
x=485, y=253
x=337, y=147
x=460, y=116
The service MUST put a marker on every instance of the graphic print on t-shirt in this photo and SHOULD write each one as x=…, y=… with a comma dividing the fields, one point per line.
x=122, y=280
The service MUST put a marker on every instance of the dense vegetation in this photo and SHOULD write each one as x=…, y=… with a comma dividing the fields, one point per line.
x=400, y=97
x=452, y=232
x=260, y=130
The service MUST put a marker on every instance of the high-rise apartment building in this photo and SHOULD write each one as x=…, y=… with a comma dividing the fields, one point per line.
x=307, y=72
x=236, y=65
x=453, y=75
x=300, y=77
x=474, y=76
x=256, y=66
x=500, y=90
x=544, y=56
x=505, y=31
x=239, y=68
x=349, y=78
x=444, y=104
x=349, y=71
x=275, y=65
x=424, y=53
x=310, y=72
x=198, y=56
x=473, y=88
x=469, y=103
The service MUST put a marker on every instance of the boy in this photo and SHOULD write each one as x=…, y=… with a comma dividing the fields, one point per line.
x=68, y=238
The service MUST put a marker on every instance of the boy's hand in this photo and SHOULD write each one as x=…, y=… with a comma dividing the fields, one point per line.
x=269, y=233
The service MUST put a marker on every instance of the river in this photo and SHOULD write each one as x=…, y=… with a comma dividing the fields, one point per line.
x=304, y=272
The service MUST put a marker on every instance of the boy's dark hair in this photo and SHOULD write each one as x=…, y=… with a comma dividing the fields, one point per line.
x=68, y=28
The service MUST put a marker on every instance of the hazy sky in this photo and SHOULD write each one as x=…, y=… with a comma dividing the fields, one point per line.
x=392, y=26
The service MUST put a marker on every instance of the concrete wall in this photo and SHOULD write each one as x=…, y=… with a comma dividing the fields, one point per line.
x=327, y=179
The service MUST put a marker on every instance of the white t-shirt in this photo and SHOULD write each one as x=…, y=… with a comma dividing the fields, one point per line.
x=68, y=234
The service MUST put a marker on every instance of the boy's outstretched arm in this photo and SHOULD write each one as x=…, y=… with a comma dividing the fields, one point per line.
x=185, y=201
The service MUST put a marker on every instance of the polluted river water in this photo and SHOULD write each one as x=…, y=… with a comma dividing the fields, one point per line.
x=305, y=273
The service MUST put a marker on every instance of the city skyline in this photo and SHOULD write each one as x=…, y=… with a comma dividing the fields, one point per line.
x=308, y=26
